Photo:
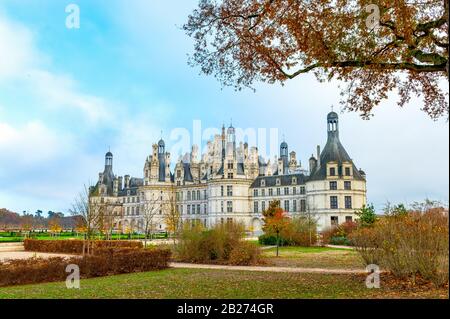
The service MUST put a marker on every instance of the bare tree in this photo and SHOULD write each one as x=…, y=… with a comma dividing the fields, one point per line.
x=149, y=209
x=89, y=208
x=172, y=216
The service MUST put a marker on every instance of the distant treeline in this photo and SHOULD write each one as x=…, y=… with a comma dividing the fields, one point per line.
x=12, y=220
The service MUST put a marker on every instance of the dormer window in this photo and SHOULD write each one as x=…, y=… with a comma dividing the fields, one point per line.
x=278, y=182
x=294, y=180
x=348, y=171
x=332, y=171
x=263, y=183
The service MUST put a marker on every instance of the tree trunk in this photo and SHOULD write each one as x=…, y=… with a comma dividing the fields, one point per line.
x=278, y=243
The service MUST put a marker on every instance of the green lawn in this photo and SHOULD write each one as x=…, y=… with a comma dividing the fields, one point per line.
x=314, y=257
x=213, y=284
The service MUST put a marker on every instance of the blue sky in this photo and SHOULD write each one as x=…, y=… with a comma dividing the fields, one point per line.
x=67, y=95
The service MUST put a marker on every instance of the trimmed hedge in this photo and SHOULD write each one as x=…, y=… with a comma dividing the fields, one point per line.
x=105, y=262
x=76, y=246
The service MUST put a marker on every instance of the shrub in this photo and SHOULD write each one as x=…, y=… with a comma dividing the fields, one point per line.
x=103, y=263
x=408, y=245
x=338, y=235
x=216, y=245
x=75, y=246
x=297, y=232
x=245, y=254
x=270, y=240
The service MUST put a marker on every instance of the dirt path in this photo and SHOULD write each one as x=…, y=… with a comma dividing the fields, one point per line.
x=270, y=269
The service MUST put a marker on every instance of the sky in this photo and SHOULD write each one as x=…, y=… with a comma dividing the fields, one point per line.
x=121, y=81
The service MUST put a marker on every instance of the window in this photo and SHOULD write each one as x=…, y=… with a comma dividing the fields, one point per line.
x=334, y=221
x=294, y=190
x=193, y=195
x=263, y=205
x=229, y=206
x=178, y=174
x=230, y=175
x=302, y=190
x=255, y=207
x=230, y=165
x=263, y=192
x=348, y=219
x=189, y=195
x=221, y=191
x=333, y=202
x=221, y=207
x=286, y=206
x=347, y=185
x=348, y=171
x=278, y=182
x=137, y=210
x=205, y=209
x=270, y=191
x=198, y=195
x=332, y=171
x=333, y=186
x=198, y=209
x=193, y=209
x=294, y=205
x=286, y=191
x=204, y=194
x=278, y=191
x=189, y=209
x=302, y=205
x=229, y=190
x=348, y=202
x=263, y=183
x=255, y=193
x=294, y=180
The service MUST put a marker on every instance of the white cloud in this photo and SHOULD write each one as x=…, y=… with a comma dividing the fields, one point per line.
x=31, y=144
x=21, y=61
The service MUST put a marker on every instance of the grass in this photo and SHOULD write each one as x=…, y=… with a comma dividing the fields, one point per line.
x=314, y=257
x=214, y=284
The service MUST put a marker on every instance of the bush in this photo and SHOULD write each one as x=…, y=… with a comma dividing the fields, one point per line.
x=408, y=245
x=270, y=240
x=216, y=245
x=245, y=254
x=76, y=246
x=298, y=232
x=104, y=263
x=338, y=235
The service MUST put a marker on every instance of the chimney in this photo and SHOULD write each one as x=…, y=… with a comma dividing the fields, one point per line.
x=318, y=156
x=127, y=181
x=116, y=186
x=312, y=164
x=120, y=183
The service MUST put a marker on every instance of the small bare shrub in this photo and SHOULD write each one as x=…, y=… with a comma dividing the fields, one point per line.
x=215, y=245
x=408, y=245
x=245, y=254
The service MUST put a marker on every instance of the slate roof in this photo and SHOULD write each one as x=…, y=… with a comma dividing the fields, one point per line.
x=285, y=180
x=334, y=152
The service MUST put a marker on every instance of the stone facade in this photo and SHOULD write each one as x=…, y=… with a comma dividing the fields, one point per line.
x=232, y=182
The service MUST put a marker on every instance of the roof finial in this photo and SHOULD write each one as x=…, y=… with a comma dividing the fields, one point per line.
x=284, y=138
x=332, y=108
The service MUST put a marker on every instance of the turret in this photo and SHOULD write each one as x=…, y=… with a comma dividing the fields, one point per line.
x=312, y=164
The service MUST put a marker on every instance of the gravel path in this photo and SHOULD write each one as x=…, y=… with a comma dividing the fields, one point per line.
x=271, y=269
x=26, y=255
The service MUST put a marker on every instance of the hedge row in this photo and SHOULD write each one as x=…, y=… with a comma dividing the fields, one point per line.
x=105, y=262
x=76, y=246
